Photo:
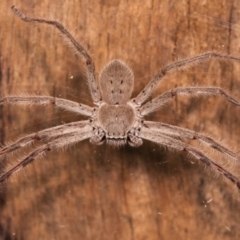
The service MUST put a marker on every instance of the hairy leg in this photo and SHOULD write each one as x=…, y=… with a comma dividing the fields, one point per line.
x=164, y=98
x=179, y=132
x=43, y=100
x=61, y=142
x=172, y=143
x=92, y=82
x=44, y=135
x=179, y=65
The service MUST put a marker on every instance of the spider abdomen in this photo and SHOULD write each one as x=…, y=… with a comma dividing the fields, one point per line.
x=116, y=83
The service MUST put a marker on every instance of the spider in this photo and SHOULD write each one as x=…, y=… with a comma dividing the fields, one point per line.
x=116, y=118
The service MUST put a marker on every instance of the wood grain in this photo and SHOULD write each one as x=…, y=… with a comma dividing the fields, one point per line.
x=98, y=192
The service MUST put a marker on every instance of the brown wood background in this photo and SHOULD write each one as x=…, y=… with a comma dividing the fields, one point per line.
x=89, y=192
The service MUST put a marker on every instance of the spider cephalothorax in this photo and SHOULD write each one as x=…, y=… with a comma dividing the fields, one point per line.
x=116, y=118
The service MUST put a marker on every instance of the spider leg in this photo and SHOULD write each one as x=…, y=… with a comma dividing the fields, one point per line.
x=172, y=143
x=44, y=135
x=92, y=82
x=175, y=131
x=57, y=102
x=159, y=101
x=178, y=65
x=61, y=142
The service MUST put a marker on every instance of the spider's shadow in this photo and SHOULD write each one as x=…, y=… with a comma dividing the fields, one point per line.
x=150, y=158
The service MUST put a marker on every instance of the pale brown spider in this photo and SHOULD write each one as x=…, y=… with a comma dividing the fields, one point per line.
x=116, y=118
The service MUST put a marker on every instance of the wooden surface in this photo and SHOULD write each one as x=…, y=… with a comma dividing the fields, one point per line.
x=98, y=192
